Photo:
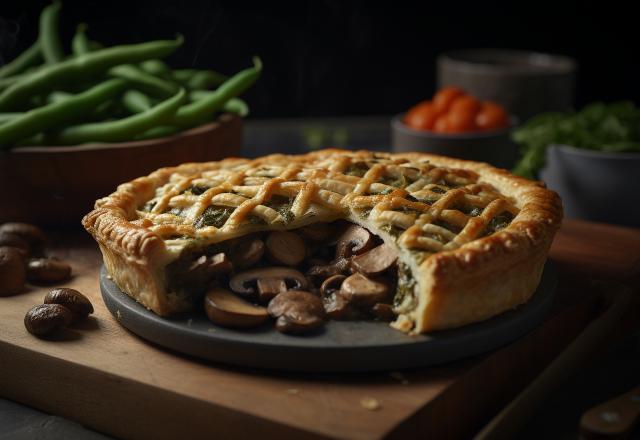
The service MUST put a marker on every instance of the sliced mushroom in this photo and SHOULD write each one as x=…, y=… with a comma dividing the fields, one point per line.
x=211, y=265
x=297, y=312
x=376, y=260
x=284, y=247
x=336, y=267
x=226, y=309
x=336, y=306
x=246, y=283
x=270, y=287
x=361, y=290
x=318, y=231
x=354, y=241
x=245, y=253
x=332, y=284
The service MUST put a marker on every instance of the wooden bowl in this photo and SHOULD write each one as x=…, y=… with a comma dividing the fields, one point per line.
x=57, y=186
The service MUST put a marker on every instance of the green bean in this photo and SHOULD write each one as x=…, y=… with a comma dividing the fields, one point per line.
x=10, y=80
x=234, y=105
x=192, y=113
x=237, y=106
x=195, y=79
x=149, y=83
x=80, y=44
x=83, y=67
x=54, y=114
x=49, y=38
x=157, y=132
x=136, y=101
x=58, y=96
x=122, y=129
x=26, y=59
x=155, y=67
x=6, y=117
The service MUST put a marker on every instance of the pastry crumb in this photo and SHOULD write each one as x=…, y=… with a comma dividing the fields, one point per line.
x=118, y=314
x=293, y=391
x=211, y=330
x=370, y=403
x=189, y=322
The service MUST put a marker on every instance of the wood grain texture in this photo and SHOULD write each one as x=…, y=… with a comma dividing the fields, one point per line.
x=100, y=375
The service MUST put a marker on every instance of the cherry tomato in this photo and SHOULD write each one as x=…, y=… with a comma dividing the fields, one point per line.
x=441, y=125
x=491, y=117
x=462, y=114
x=421, y=116
x=443, y=99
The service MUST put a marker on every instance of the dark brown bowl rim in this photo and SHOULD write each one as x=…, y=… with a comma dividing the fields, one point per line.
x=397, y=124
x=525, y=61
x=224, y=118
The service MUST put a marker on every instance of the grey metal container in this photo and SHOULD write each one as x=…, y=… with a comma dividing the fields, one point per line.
x=595, y=185
x=525, y=83
x=495, y=147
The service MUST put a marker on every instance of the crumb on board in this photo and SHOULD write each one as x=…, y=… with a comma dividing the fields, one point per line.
x=211, y=329
x=293, y=391
x=189, y=322
x=118, y=314
x=370, y=403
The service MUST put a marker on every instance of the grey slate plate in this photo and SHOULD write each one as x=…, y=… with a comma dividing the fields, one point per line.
x=341, y=346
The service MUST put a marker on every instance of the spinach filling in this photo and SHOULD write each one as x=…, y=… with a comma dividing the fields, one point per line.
x=283, y=206
x=196, y=190
x=405, y=298
x=500, y=221
x=214, y=216
x=357, y=169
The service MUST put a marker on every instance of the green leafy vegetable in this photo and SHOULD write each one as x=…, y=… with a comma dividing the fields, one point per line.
x=601, y=127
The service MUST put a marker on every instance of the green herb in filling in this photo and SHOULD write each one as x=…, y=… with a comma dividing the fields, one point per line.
x=398, y=182
x=392, y=230
x=500, y=221
x=405, y=290
x=283, y=206
x=357, y=169
x=197, y=190
x=214, y=216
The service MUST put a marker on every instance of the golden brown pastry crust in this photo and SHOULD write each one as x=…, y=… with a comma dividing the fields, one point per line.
x=464, y=279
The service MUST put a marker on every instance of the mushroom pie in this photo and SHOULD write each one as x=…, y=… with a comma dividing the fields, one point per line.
x=423, y=241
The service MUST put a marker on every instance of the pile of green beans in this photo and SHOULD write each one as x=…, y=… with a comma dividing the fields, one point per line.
x=108, y=94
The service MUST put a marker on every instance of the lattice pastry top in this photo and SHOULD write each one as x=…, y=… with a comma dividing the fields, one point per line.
x=444, y=215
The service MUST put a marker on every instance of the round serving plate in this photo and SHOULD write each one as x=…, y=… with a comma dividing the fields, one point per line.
x=341, y=346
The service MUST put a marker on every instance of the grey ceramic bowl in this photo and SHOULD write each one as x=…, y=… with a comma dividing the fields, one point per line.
x=494, y=147
x=524, y=83
x=595, y=185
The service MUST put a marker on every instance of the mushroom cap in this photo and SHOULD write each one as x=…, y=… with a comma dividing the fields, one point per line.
x=297, y=311
x=228, y=310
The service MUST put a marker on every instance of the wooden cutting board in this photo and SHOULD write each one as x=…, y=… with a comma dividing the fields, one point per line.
x=104, y=377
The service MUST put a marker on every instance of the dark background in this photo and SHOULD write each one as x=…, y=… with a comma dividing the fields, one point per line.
x=333, y=58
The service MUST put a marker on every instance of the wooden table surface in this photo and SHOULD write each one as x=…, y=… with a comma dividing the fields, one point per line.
x=104, y=377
